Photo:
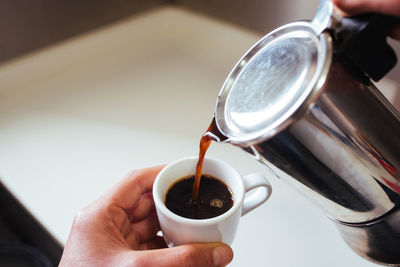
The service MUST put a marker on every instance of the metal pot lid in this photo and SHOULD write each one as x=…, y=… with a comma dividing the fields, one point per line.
x=273, y=83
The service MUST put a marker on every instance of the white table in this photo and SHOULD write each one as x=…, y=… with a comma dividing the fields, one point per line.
x=78, y=116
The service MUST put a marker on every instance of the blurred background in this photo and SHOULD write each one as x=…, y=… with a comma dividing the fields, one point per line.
x=30, y=25
x=90, y=90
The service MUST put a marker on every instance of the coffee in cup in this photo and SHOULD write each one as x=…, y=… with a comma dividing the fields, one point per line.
x=247, y=193
x=214, y=198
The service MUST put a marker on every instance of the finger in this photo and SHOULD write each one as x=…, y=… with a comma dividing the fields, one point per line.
x=390, y=7
x=156, y=243
x=118, y=216
x=142, y=209
x=194, y=255
x=147, y=229
x=127, y=192
x=133, y=240
x=126, y=227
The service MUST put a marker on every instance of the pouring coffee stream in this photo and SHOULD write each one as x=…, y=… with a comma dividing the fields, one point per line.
x=212, y=134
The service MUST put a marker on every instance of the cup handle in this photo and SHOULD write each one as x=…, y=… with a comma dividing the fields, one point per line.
x=258, y=190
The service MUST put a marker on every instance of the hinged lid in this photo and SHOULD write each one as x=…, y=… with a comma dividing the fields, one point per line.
x=273, y=83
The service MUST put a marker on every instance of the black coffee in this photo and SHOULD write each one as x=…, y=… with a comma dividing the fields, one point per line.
x=214, y=198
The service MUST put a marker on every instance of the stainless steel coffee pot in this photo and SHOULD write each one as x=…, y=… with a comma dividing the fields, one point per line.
x=301, y=102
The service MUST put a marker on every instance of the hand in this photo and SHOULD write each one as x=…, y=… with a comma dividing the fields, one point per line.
x=389, y=7
x=120, y=229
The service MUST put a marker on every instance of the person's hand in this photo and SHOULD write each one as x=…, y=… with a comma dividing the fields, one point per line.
x=389, y=7
x=120, y=229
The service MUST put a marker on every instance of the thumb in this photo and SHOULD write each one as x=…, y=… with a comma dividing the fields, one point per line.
x=193, y=255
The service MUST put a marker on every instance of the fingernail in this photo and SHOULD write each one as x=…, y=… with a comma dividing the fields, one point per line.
x=222, y=255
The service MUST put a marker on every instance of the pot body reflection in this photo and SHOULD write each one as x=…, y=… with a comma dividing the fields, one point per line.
x=344, y=154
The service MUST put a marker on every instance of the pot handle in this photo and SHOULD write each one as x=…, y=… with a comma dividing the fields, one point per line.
x=362, y=40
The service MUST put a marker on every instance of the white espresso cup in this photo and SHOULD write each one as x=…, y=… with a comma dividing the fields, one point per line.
x=248, y=192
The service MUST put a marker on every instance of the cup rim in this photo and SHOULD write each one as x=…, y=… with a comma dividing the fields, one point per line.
x=237, y=203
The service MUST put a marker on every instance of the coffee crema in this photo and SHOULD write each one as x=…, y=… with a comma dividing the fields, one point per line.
x=214, y=198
